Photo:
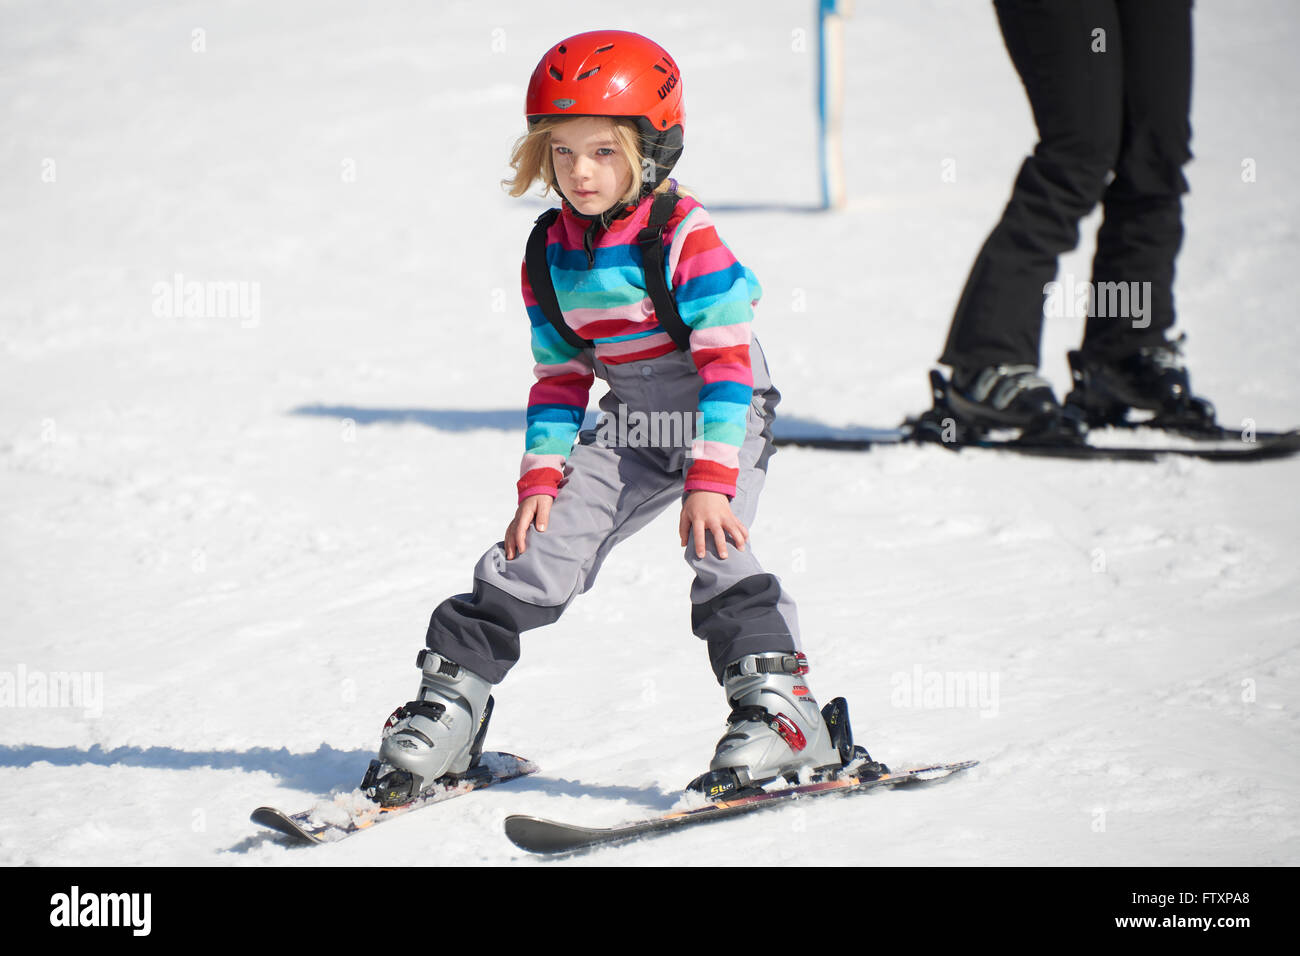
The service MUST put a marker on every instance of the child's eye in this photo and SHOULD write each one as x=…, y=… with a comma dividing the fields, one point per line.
x=562, y=150
x=605, y=151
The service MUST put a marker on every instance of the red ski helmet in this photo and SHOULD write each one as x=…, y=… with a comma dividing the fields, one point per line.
x=617, y=74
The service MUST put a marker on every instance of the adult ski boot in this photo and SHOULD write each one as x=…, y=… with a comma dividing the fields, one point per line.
x=776, y=731
x=1152, y=380
x=976, y=401
x=436, y=738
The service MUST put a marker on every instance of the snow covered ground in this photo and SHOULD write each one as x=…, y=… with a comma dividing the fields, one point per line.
x=231, y=527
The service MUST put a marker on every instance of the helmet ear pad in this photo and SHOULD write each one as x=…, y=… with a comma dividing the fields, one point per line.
x=663, y=148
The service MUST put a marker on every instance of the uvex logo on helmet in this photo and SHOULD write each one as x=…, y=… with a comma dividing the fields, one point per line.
x=668, y=86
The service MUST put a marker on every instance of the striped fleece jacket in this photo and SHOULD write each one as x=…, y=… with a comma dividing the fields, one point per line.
x=600, y=286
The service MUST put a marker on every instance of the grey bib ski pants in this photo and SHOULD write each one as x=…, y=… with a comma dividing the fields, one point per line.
x=613, y=486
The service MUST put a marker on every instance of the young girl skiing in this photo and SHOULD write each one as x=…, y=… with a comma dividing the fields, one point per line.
x=627, y=281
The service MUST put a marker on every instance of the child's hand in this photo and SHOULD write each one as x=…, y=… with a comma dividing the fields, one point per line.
x=712, y=511
x=534, y=509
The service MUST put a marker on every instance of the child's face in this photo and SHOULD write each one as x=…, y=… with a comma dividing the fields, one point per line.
x=589, y=164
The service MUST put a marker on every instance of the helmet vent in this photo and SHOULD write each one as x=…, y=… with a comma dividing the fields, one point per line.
x=592, y=72
x=556, y=74
x=602, y=49
x=660, y=68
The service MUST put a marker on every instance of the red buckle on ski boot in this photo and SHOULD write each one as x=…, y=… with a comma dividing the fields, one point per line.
x=395, y=718
x=789, y=732
x=782, y=724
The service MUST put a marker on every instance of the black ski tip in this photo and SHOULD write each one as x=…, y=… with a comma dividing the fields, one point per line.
x=277, y=820
x=538, y=835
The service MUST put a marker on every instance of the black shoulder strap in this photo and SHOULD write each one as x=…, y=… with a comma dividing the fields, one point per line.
x=651, y=241
x=539, y=277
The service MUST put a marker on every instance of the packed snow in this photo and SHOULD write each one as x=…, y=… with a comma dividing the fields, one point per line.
x=225, y=523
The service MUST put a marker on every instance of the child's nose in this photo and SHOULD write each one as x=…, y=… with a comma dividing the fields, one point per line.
x=581, y=167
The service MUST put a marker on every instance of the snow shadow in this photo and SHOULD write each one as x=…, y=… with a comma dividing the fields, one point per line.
x=786, y=427
x=651, y=797
x=743, y=207
x=444, y=419
x=320, y=771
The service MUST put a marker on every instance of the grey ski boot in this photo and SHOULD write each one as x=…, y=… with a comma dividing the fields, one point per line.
x=438, y=735
x=775, y=729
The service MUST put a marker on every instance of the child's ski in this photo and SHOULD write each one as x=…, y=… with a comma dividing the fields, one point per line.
x=351, y=813
x=547, y=836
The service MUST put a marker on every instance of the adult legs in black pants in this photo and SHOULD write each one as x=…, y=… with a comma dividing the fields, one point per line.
x=1142, y=229
x=1109, y=85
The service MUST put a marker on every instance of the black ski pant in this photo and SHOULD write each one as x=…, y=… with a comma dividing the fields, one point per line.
x=1122, y=111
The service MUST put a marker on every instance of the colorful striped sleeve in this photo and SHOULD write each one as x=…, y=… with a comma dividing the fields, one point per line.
x=557, y=403
x=715, y=297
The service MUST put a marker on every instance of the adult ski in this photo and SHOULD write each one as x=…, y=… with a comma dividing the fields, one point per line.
x=538, y=835
x=352, y=812
x=1136, y=443
x=1148, y=444
x=1140, y=441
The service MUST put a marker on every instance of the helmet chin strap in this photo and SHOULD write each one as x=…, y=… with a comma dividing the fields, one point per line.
x=616, y=211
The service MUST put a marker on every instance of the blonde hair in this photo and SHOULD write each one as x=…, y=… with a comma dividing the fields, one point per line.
x=531, y=158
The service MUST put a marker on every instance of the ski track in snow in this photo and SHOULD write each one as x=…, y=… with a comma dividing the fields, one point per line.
x=190, y=516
